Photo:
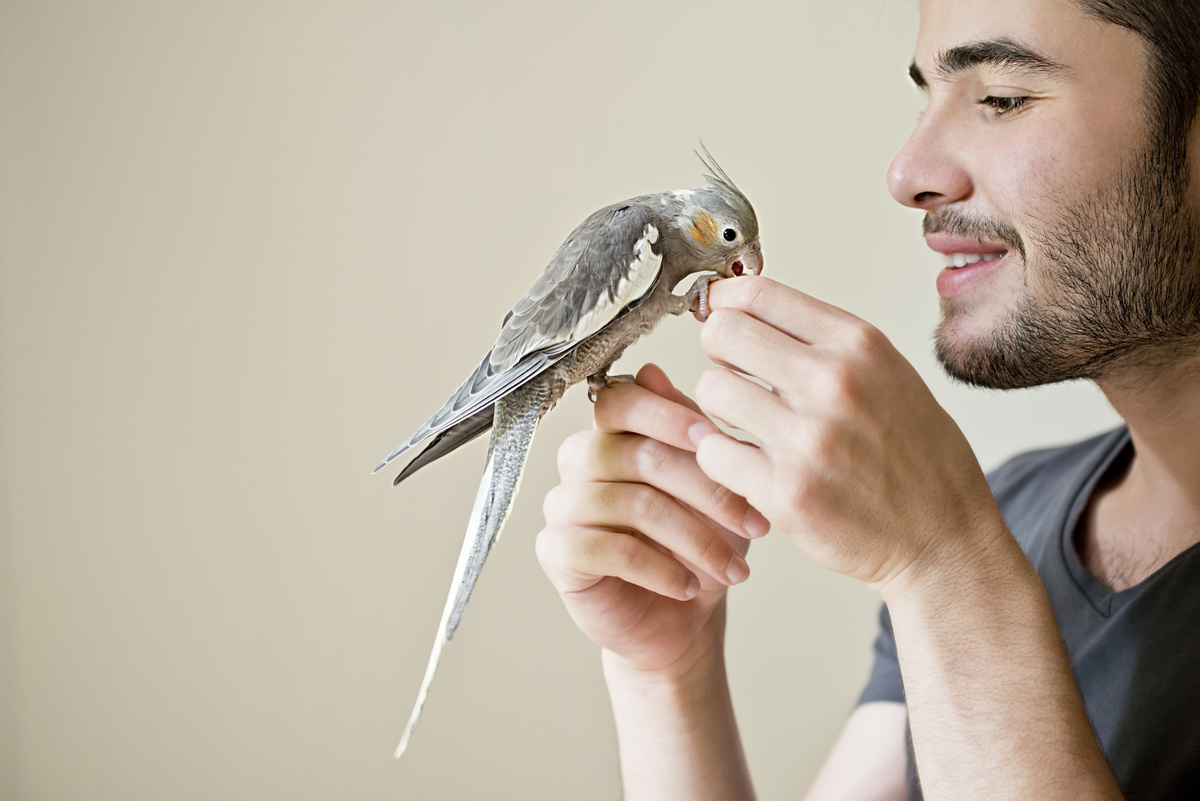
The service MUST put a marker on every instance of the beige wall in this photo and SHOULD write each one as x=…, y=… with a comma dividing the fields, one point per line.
x=247, y=246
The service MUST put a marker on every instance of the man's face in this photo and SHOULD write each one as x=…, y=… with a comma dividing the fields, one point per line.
x=1037, y=164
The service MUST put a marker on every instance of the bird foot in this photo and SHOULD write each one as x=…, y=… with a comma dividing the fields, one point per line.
x=695, y=299
x=599, y=381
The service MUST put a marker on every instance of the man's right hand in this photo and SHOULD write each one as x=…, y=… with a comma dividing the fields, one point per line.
x=640, y=544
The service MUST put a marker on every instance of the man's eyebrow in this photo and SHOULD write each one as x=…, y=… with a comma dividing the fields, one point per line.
x=1003, y=54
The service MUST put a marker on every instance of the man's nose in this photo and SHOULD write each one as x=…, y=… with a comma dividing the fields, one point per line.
x=928, y=172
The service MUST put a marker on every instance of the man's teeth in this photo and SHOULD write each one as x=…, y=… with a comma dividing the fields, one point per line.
x=963, y=259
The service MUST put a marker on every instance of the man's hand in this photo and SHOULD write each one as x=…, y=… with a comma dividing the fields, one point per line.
x=857, y=462
x=640, y=544
x=868, y=475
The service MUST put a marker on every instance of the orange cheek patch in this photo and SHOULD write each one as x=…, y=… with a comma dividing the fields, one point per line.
x=704, y=228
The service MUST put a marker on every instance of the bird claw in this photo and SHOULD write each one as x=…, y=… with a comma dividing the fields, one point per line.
x=600, y=381
x=696, y=298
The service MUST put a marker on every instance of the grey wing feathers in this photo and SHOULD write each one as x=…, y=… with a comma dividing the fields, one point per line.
x=449, y=440
x=477, y=393
x=610, y=262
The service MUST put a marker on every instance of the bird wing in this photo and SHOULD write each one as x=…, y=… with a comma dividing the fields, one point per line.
x=450, y=439
x=609, y=264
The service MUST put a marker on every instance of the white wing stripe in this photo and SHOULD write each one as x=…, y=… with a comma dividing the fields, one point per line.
x=643, y=270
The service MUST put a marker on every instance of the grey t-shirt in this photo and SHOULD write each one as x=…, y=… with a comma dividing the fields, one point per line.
x=1135, y=653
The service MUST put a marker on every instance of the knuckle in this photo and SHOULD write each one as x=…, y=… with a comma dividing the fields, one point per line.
x=644, y=504
x=607, y=497
x=822, y=448
x=796, y=378
x=547, y=548
x=572, y=454
x=714, y=551
x=716, y=328
x=586, y=553
x=554, y=504
x=655, y=421
x=580, y=503
x=709, y=387
x=625, y=553
x=864, y=338
x=836, y=384
x=652, y=458
x=843, y=380
x=798, y=490
x=727, y=501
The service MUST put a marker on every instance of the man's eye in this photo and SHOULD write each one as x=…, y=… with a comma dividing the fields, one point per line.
x=1003, y=105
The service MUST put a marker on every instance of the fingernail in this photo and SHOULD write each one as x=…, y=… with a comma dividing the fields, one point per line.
x=698, y=431
x=693, y=587
x=755, y=524
x=738, y=571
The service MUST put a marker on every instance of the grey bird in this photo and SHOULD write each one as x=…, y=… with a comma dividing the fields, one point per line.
x=609, y=283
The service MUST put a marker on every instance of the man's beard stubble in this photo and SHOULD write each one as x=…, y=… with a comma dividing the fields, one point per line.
x=1119, y=284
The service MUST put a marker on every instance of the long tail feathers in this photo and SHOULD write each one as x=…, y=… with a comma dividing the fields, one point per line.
x=511, y=440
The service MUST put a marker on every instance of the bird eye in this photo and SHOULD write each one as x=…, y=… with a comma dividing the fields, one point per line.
x=729, y=234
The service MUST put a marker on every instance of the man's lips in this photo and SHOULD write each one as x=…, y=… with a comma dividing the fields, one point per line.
x=968, y=261
x=972, y=250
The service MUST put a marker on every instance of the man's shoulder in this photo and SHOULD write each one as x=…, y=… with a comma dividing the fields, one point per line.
x=1038, y=482
x=1061, y=462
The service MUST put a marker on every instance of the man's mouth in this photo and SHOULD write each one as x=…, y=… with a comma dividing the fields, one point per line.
x=959, y=251
x=968, y=262
x=957, y=260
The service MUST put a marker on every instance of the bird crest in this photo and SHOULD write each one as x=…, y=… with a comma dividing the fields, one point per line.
x=719, y=182
x=716, y=178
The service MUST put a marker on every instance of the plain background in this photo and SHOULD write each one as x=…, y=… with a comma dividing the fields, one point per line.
x=246, y=247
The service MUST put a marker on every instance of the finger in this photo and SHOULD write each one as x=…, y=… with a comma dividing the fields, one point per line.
x=576, y=559
x=794, y=313
x=741, y=403
x=743, y=468
x=644, y=509
x=592, y=456
x=735, y=339
x=652, y=377
x=634, y=408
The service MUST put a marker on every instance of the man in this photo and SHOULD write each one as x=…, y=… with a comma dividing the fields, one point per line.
x=1057, y=167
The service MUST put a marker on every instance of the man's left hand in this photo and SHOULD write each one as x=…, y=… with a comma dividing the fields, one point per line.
x=856, y=461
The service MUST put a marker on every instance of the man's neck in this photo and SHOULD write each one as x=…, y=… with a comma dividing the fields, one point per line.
x=1148, y=512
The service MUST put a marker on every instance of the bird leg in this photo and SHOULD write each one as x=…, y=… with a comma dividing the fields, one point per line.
x=695, y=299
x=601, y=380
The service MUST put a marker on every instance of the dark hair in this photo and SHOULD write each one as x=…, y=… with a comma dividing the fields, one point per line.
x=1171, y=29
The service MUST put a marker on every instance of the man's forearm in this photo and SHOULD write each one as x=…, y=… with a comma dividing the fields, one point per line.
x=677, y=736
x=993, y=706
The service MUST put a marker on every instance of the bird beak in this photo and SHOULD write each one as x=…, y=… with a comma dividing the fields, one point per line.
x=748, y=260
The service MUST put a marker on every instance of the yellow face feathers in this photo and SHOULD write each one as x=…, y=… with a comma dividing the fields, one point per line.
x=704, y=228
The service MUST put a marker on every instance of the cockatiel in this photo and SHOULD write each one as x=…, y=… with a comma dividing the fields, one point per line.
x=609, y=283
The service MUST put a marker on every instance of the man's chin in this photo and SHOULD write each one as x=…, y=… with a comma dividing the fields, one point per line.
x=1000, y=358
